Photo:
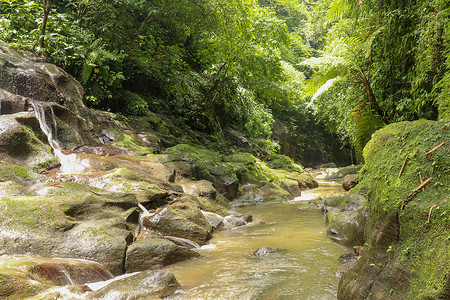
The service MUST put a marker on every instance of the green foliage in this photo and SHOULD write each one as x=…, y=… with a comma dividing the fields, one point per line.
x=277, y=161
x=134, y=104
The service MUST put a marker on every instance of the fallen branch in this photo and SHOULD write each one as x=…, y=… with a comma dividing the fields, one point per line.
x=428, y=154
x=404, y=143
x=420, y=186
x=403, y=166
x=421, y=181
x=431, y=208
x=403, y=205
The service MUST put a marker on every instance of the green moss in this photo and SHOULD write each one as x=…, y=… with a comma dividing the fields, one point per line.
x=33, y=213
x=131, y=144
x=243, y=158
x=423, y=247
x=19, y=171
x=209, y=162
x=283, y=162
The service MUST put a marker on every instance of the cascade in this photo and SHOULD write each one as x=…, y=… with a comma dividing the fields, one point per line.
x=70, y=163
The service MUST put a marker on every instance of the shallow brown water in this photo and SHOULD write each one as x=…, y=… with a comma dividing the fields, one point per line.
x=228, y=270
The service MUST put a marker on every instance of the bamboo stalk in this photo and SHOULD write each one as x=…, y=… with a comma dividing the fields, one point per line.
x=420, y=186
x=403, y=166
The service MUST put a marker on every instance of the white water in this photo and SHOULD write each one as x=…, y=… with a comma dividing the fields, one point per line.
x=70, y=163
x=100, y=284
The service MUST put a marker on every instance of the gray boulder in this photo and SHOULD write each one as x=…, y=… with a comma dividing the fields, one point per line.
x=154, y=253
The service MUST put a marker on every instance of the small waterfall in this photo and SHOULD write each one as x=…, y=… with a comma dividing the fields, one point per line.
x=70, y=163
x=144, y=213
x=67, y=275
x=51, y=133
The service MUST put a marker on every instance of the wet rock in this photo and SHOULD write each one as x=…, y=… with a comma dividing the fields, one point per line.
x=199, y=188
x=144, y=285
x=266, y=251
x=341, y=172
x=347, y=228
x=289, y=185
x=326, y=166
x=12, y=103
x=227, y=222
x=349, y=181
x=87, y=226
x=19, y=287
x=183, y=220
x=215, y=220
x=20, y=145
x=343, y=203
x=230, y=222
x=347, y=266
x=154, y=253
x=38, y=81
x=347, y=257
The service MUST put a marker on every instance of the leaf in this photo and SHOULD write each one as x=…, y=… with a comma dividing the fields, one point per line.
x=86, y=73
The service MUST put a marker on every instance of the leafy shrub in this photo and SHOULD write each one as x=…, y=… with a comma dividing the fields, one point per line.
x=133, y=104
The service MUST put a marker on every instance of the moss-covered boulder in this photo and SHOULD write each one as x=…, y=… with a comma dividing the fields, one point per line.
x=79, y=225
x=407, y=232
x=182, y=219
x=210, y=167
x=23, y=144
x=347, y=227
x=347, y=202
x=283, y=162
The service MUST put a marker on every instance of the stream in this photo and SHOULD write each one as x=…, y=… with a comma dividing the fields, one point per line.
x=306, y=270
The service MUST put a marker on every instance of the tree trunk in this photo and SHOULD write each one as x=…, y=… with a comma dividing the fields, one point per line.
x=46, y=4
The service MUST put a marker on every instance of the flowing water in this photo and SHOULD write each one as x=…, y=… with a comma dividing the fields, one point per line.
x=306, y=270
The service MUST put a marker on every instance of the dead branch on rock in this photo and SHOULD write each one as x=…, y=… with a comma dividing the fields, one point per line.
x=428, y=154
x=423, y=184
x=431, y=208
x=403, y=166
x=421, y=181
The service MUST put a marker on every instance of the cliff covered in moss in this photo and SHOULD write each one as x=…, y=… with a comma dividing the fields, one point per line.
x=407, y=233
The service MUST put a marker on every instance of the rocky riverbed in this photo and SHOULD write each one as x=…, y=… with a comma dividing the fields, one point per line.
x=103, y=195
x=129, y=194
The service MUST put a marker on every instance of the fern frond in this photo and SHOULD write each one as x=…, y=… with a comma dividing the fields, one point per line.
x=338, y=9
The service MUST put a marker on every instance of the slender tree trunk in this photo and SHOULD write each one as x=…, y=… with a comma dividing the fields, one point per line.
x=46, y=4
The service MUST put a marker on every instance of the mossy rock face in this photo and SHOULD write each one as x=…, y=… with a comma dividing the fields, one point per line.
x=86, y=225
x=344, y=202
x=347, y=228
x=210, y=167
x=403, y=235
x=21, y=146
x=283, y=162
